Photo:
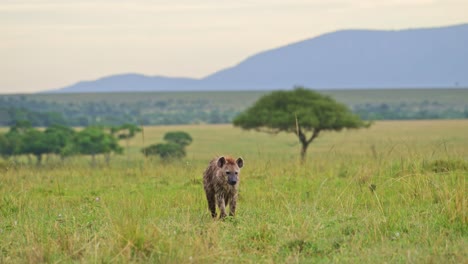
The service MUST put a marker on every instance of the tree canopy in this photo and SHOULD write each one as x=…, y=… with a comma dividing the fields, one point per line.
x=125, y=131
x=178, y=137
x=165, y=151
x=60, y=140
x=94, y=140
x=299, y=111
x=23, y=139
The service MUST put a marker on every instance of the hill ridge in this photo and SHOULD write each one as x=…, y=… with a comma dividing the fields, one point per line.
x=342, y=59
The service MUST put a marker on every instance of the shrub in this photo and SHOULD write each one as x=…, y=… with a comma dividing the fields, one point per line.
x=173, y=149
x=165, y=151
x=178, y=137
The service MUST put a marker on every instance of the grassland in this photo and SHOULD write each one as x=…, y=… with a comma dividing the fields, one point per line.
x=396, y=192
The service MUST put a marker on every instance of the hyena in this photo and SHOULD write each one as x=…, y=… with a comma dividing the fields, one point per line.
x=221, y=182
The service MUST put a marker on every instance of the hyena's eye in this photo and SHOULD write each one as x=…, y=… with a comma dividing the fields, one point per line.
x=236, y=172
x=228, y=172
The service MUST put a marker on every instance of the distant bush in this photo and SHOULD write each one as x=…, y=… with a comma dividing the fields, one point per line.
x=165, y=151
x=179, y=137
x=173, y=149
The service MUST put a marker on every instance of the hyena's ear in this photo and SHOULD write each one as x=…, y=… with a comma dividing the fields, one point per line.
x=221, y=162
x=240, y=162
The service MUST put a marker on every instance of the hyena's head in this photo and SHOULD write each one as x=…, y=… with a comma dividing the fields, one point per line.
x=230, y=168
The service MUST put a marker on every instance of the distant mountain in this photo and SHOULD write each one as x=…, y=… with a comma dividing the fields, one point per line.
x=429, y=57
x=130, y=82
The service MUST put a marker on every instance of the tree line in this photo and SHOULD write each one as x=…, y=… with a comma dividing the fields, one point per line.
x=110, y=113
x=409, y=111
x=22, y=139
x=171, y=110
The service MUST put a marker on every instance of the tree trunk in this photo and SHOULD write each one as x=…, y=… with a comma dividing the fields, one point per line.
x=93, y=160
x=107, y=157
x=38, y=159
x=303, y=151
x=128, y=147
x=305, y=142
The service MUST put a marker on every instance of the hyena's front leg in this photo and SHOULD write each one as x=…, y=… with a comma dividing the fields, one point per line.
x=232, y=205
x=211, y=203
x=221, y=205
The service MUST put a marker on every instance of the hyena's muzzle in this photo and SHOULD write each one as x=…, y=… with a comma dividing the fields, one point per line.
x=232, y=177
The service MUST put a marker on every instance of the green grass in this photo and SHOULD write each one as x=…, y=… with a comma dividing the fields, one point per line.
x=396, y=192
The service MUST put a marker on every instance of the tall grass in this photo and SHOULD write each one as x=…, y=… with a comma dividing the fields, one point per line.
x=396, y=192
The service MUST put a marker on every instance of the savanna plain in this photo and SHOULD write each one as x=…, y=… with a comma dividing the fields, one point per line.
x=393, y=193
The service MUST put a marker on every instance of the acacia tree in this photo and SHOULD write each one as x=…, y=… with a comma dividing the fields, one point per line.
x=34, y=142
x=126, y=131
x=14, y=139
x=93, y=141
x=23, y=139
x=60, y=140
x=7, y=146
x=301, y=111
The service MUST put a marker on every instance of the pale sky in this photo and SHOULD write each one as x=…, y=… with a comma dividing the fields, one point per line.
x=48, y=44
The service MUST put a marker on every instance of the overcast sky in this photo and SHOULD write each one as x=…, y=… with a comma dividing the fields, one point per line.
x=48, y=44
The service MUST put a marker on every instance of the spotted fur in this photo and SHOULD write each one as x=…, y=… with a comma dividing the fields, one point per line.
x=221, y=183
